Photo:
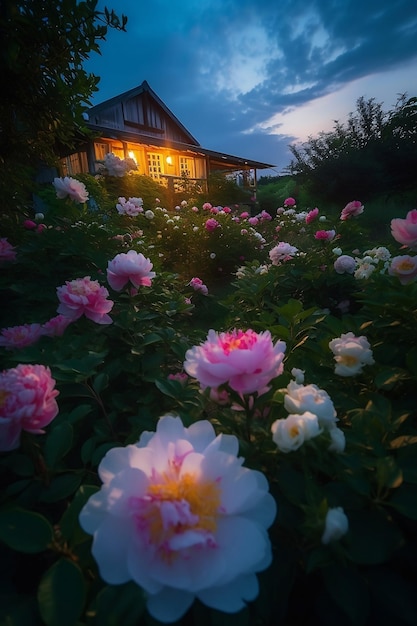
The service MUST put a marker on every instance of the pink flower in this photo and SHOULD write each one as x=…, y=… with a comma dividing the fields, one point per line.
x=17, y=337
x=29, y=224
x=405, y=230
x=214, y=210
x=179, y=516
x=198, y=285
x=27, y=402
x=253, y=221
x=326, y=235
x=55, y=327
x=207, y=206
x=72, y=188
x=227, y=209
x=352, y=209
x=311, y=215
x=289, y=202
x=344, y=264
x=404, y=268
x=181, y=377
x=264, y=215
x=7, y=251
x=211, y=224
x=130, y=266
x=244, y=215
x=247, y=361
x=282, y=252
x=84, y=296
x=131, y=207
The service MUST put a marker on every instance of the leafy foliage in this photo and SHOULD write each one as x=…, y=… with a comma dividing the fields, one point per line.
x=116, y=380
x=48, y=91
x=372, y=152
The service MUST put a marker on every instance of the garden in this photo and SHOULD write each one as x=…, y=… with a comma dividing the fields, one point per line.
x=207, y=413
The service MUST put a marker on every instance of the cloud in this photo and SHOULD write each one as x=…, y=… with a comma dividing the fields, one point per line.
x=247, y=77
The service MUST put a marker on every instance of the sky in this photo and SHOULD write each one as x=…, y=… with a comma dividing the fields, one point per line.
x=251, y=77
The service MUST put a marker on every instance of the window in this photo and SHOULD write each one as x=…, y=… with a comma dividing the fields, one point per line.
x=187, y=167
x=155, y=166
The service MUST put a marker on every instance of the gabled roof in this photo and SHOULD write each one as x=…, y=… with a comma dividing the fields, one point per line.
x=223, y=160
x=137, y=91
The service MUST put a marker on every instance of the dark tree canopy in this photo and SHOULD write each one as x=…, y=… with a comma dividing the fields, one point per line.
x=374, y=151
x=45, y=89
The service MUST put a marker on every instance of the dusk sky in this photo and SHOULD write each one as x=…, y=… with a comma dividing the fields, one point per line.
x=251, y=77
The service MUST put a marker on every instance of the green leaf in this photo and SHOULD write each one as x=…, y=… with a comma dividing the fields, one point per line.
x=58, y=443
x=61, y=594
x=372, y=537
x=119, y=605
x=101, y=382
x=404, y=500
x=61, y=487
x=25, y=531
x=69, y=526
x=20, y=464
x=388, y=474
x=349, y=592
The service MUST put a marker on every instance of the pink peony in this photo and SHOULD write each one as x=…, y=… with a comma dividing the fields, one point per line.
x=289, y=202
x=27, y=402
x=55, y=327
x=29, y=224
x=264, y=215
x=179, y=516
x=207, y=206
x=72, y=188
x=198, y=285
x=325, y=235
x=405, y=230
x=84, y=296
x=311, y=216
x=344, y=264
x=352, y=209
x=17, y=337
x=131, y=207
x=253, y=221
x=404, y=268
x=211, y=224
x=282, y=252
x=7, y=251
x=247, y=361
x=130, y=266
x=244, y=215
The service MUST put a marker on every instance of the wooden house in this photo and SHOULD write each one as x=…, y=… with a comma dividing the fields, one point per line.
x=137, y=124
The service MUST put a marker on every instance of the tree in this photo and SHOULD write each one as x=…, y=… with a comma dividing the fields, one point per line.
x=45, y=89
x=373, y=151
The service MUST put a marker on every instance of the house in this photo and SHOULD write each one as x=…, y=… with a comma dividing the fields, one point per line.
x=137, y=124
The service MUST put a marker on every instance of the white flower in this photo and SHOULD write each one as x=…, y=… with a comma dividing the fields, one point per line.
x=322, y=218
x=179, y=515
x=212, y=255
x=300, y=398
x=351, y=354
x=39, y=216
x=298, y=375
x=337, y=251
x=364, y=270
x=290, y=433
x=338, y=442
x=149, y=214
x=336, y=525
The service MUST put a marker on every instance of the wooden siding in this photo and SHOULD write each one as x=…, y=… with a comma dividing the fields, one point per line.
x=140, y=114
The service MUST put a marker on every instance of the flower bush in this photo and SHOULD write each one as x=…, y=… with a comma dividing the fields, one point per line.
x=202, y=426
